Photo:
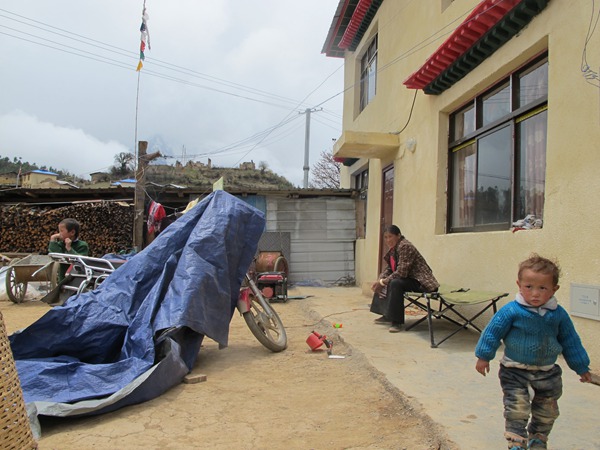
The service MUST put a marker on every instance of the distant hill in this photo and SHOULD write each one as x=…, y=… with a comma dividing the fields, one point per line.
x=6, y=166
x=192, y=174
x=200, y=175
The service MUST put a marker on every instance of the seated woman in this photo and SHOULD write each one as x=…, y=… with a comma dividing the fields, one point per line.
x=406, y=271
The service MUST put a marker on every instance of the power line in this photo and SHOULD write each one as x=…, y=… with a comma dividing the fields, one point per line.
x=431, y=39
x=324, y=123
x=133, y=56
x=591, y=76
x=123, y=65
x=246, y=142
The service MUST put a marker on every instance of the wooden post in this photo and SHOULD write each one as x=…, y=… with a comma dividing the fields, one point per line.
x=138, y=213
x=140, y=181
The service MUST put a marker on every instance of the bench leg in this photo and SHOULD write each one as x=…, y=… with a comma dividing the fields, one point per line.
x=467, y=321
x=430, y=323
x=442, y=313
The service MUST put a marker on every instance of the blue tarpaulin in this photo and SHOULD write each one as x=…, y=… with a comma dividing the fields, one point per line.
x=139, y=333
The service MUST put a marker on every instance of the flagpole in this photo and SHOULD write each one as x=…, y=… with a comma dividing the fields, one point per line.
x=144, y=36
x=140, y=148
x=137, y=101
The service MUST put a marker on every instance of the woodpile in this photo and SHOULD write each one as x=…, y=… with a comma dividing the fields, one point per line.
x=106, y=226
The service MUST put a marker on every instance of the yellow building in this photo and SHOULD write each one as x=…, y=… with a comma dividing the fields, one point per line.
x=99, y=177
x=8, y=179
x=463, y=118
x=35, y=178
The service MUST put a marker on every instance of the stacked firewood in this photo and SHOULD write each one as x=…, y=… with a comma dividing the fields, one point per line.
x=106, y=226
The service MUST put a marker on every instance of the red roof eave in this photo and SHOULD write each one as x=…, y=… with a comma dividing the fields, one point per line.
x=334, y=29
x=485, y=15
x=355, y=21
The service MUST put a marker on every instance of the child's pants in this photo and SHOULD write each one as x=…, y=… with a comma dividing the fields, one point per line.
x=518, y=405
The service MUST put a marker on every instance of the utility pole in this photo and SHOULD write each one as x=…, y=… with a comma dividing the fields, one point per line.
x=19, y=173
x=306, y=167
x=140, y=178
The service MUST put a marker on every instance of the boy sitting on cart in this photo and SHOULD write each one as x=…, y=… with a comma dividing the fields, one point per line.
x=67, y=241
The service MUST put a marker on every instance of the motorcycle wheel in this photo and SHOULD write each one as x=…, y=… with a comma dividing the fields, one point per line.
x=266, y=326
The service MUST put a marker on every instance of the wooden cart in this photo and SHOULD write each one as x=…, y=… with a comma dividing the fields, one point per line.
x=23, y=268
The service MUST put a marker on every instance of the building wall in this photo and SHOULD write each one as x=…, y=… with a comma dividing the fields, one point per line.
x=99, y=177
x=484, y=260
x=322, y=234
x=32, y=179
x=9, y=178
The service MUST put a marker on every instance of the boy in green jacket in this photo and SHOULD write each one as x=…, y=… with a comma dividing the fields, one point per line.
x=67, y=241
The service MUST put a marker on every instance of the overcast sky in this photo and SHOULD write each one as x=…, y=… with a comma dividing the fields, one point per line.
x=224, y=80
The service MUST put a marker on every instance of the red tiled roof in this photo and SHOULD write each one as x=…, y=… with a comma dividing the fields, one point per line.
x=487, y=14
x=352, y=28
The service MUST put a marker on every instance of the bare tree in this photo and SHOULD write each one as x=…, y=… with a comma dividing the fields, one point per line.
x=326, y=172
x=263, y=166
x=124, y=163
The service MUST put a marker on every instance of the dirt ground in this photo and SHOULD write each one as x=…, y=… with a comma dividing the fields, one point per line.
x=255, y=399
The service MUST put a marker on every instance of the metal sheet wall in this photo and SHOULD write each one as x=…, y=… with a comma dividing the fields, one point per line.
x=322, y=232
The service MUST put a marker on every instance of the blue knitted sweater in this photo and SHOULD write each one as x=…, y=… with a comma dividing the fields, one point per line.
x=530, y=338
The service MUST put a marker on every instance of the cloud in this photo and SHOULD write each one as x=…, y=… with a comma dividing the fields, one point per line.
x=215, y=76
x=62, y=148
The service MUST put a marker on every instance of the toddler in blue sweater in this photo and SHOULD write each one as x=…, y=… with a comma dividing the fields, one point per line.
x=535, y=329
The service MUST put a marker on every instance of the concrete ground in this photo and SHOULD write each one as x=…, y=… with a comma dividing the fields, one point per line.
x=443, y=380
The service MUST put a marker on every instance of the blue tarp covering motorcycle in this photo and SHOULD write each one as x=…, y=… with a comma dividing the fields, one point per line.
x=139, y=333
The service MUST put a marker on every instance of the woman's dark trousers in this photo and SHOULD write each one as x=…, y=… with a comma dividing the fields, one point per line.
x=395, y=297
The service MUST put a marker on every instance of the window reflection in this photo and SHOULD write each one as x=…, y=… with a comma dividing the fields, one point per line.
x=368, y=75
x=463, y=174
x=496, y=105
x=464, y=122
x=533, y=85
x=533, y=165
x=494, y=178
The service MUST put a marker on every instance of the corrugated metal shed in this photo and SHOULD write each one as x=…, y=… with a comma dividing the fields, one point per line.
x=322, y=233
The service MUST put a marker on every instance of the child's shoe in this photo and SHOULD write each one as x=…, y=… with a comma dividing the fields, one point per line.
x=538, y=441
x=515, y=442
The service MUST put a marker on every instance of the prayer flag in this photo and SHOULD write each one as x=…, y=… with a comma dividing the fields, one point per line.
x=144, y=37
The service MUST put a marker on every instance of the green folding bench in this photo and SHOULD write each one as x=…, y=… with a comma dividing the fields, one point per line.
x=445, y=303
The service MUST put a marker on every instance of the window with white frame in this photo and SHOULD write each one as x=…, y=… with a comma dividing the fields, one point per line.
x=368, y=74
x=498, y=153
